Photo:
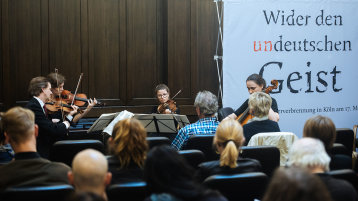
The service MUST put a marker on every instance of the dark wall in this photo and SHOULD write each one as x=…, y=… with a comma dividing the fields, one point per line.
x=124, y=48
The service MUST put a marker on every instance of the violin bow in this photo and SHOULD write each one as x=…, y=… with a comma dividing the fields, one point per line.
x=176, y=94
x=58, y=89
x=78, y=84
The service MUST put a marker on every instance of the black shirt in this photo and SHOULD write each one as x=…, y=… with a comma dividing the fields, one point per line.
x=245, y=105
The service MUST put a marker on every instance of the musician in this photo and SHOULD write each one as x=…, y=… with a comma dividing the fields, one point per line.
x=49, y=132
x=57, y=82
x=255, y=83
x=162, y=93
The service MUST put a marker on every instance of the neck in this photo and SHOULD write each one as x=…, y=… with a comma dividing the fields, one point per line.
x=42, y=97
x=317, y=170
x=24, y=147
x=99, y=191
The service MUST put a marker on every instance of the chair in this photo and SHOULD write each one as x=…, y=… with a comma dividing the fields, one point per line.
x=204, y=143
x=65, y=150
x=38, y=193
x=134, y=191
x=345, y=136
x=156, y=141
x=224, y=112
x=346, y=174
x=340, y=149
x=268, y=156
x=243, y=187
x=193, y=157
x=281, y=140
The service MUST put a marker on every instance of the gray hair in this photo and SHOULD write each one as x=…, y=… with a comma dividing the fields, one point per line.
x=308, y=153
x=206, y=102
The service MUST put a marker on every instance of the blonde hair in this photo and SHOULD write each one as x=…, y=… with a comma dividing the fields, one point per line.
x=18, y=123
x=229, y=135
x=129, y=142
x=260, y=104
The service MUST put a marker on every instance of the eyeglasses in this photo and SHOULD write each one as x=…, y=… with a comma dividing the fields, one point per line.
x=162, y=95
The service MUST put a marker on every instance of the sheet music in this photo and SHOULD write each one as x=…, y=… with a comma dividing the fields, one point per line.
x=102, y=122
x=122, y=115
x=182, y=120
x=165, y=122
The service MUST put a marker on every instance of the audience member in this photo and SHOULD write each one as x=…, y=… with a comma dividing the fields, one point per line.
x=6, y=152
x=27, y=168
x=169, y=177
x=323, y=128
x=309, y=153
x=206, y=106
x=295, y=184
x=49, y=132
x=90, y=172
x=259, y=105
x=85, y=196
x=128, y=146
x=227, y=141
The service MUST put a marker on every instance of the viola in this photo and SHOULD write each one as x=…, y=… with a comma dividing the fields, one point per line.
x=79, y=99
x=246, y=115
x=170, y=104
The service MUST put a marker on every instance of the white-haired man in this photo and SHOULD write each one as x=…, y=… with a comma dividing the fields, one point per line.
x=309, y=153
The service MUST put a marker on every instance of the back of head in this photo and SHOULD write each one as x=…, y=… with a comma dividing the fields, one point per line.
x=89, y=169
x=36, y=85
x=207, y=103
x=260, y=104
x=322, y=128
x=229, y=136
x=56, y=79
x=309, y=153
x=295, y=184
x=166, y=171
x=129, y=142
x=18, y=123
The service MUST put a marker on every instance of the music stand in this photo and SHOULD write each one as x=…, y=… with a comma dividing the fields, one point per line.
x=182, y=120
x=157, y=123
x=102, y=122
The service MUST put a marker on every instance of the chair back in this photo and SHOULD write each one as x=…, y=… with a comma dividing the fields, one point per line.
x=156, y=141
x=193, y=157
x=224, y=112
x=268, y=156
x=243, y=187
x=282, y=140
x=204, y=143
x=134, y=191
x=340, y=149
x=345, y=136
x=346, y=174
x=38, y=193
x=65, y=150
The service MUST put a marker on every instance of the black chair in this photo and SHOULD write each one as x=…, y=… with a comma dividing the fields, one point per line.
x=156, y=141
x=65, y=150
x=224, y=112
x=345, y=136
x=268, y=156
x=133, y=191
x=204, y=143
x=340, y=149
x=38, y=193
x=346, y=174
x=193, y=157
x=243, y=187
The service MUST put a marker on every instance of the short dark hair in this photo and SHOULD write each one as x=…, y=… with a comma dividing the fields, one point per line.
x=56, y=79
x=257, y=79
x=36, y=85
x=161, y=87
x=322, y=128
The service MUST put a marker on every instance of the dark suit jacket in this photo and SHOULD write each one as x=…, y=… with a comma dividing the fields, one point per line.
x=49, y=132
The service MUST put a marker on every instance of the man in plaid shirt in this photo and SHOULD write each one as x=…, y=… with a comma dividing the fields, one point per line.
x=206, y=106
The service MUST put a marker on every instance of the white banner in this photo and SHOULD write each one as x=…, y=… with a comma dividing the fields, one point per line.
x=309, y=46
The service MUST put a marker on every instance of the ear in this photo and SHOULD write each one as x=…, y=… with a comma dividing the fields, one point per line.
x=243, y=141
x=108, y=178
x=197, y=111
x=70, y=178
x=36, y=130
x=7, y=138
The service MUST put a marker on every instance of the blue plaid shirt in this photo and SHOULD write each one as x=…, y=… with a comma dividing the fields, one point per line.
x=205, y=125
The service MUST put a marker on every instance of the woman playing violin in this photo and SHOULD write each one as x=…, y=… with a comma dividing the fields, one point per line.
x=255, y=83
x=57, y=82
x=162, y=93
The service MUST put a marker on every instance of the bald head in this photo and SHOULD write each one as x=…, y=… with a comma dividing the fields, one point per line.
x=89, y=170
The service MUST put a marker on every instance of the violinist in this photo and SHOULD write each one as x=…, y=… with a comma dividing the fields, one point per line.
x=255, y=83
x=57, y=82
x=48, y=131
x=162, y=93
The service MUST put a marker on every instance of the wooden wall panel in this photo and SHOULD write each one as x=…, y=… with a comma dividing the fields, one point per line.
x=1, y=64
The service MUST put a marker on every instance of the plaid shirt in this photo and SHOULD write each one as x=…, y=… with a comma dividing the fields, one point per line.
x=206, y=125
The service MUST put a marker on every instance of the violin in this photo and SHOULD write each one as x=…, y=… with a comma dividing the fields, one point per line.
x=54, y=106
x=246, y=115
x=170, y=104
x=78, y=99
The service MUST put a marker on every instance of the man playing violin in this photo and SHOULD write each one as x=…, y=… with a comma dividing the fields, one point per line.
x=162, y=93
x=49, y=131
x=57, y=82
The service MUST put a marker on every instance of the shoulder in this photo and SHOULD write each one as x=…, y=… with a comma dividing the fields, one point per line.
x=209, y=164
x=248, y=162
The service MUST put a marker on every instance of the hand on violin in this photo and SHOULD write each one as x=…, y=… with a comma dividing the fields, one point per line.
x=91, y=103
x=74, y=111
x=167, y=111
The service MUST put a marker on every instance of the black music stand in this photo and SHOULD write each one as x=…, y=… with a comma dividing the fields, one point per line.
x=182, y=120
x=157, y=123
x=102, y=122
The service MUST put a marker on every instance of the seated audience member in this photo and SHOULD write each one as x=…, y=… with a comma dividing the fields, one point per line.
x=259, y=105
x=169, y=177
x=323, y=128
x=227, y=141
x=90, y=172
x=27, y=168
x=128, y=146
x=295, y=184
x=309, y=153
x=49, y=132
x=206, y=106
x=6, y=152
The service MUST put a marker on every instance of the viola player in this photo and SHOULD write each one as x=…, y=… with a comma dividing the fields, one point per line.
x=162, y=93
